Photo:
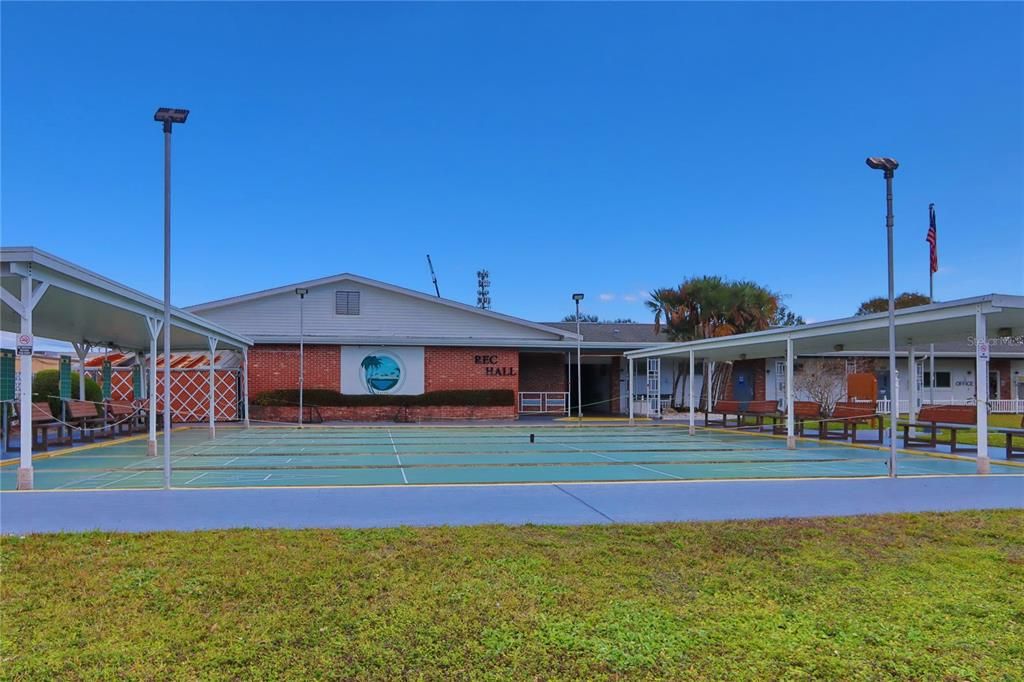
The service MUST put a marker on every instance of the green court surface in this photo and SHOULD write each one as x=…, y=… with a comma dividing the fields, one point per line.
x=400, y=455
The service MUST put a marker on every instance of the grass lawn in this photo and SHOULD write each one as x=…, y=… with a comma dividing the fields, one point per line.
x=923, y=596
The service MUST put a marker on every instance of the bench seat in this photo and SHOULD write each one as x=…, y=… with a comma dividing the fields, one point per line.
x=804, y=411
x=1013, y=450
x=850, y=416
x=953, y=418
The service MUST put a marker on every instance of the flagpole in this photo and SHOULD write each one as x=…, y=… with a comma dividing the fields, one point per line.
x=931, y=299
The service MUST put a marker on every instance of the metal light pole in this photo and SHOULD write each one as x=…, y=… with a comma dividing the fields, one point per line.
x=168, y=117
x=579, y=361
x=301, y=292
x=888, y=167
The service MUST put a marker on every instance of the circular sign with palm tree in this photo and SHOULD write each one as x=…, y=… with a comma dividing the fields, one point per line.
x=382, y=372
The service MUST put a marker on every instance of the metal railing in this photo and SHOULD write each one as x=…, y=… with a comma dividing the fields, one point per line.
x=543, y=402
x=995, y=405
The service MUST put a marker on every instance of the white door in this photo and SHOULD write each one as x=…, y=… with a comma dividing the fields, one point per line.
x=654, y=388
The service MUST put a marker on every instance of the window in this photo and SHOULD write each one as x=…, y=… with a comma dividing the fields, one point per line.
x=942, y=380
x=346, y=302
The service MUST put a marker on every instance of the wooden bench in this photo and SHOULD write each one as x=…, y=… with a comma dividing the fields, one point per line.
x=850, y=416
x=761, y=410
x=953, y=418
x=82, y=415
x=724, y=408
x=43, y=422
x=803, y=411
x=125, y=417
x=1013, y=451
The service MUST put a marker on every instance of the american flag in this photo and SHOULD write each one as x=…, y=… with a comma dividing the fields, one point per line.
x=933, y=238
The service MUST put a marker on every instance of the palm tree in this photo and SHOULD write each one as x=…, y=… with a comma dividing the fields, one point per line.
x=710, y=306
x=370, y=364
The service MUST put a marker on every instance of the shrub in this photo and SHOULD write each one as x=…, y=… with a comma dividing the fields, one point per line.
x=321, y=397
x=46, y=383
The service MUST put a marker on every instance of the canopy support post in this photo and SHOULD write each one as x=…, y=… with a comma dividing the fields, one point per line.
x=790, y=417
x=154, y=325
x=631, y=392
x=25, y=472
x=911, y=386
x=245, y=385
x=931, y=374
x=689, y=398
x=568, y=374
x=82, y=351
x=981, y=389
x=213, y=379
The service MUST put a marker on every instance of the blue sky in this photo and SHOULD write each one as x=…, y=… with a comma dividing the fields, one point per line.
x=605, y=148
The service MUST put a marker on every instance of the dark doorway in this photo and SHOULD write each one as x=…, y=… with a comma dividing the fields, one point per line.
x=742, y=384
x=883, y=385
x=596, y=388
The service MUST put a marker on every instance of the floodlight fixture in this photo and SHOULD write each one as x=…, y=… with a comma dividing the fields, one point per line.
x=301, y=291
x=577, y=297
x=169, y=116
x=882, y=163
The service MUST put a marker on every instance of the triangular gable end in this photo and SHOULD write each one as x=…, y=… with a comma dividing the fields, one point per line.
x=349, y=307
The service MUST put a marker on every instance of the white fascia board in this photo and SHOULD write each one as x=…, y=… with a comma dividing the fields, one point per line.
x=40, y=265
x=554, y=345
x=966, y=307
x=919, y=352
x=366, y=281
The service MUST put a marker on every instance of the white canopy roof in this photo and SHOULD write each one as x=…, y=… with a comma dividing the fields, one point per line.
x=80, y=305
x=921, y=325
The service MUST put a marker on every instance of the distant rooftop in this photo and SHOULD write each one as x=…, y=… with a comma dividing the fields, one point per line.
x=610, y=332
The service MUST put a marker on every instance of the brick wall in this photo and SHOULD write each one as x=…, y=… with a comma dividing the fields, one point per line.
x=449, y=369
x=274, y=366
x=757, y=368
x=1002, y=365
x=542, y=372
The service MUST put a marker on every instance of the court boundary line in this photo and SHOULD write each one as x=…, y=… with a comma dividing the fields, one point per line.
x=395, y=448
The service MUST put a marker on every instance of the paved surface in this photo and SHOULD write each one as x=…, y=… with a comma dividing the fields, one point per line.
x=414, y=455
x=564, y=504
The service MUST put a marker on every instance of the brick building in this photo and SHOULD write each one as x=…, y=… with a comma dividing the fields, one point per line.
x=362, y=336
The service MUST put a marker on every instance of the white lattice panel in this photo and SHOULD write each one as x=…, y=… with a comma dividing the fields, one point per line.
x=190, y=393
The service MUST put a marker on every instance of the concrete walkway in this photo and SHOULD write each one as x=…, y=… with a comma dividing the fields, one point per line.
x=563, y=504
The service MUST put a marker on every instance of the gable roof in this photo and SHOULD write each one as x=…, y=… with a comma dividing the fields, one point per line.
x=615, y=332
x=366, y=281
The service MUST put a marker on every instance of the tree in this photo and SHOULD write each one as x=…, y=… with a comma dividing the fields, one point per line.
x=784, y=317
x=46, y=388
x=711, y=306
x=824, y=381
x=370, y=365
x=584, y=317
x=880, y=304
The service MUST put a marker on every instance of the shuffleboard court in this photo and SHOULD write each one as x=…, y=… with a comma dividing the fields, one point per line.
x=420, y=455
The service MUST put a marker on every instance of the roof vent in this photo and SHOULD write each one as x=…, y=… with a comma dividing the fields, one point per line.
x=615, y=331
